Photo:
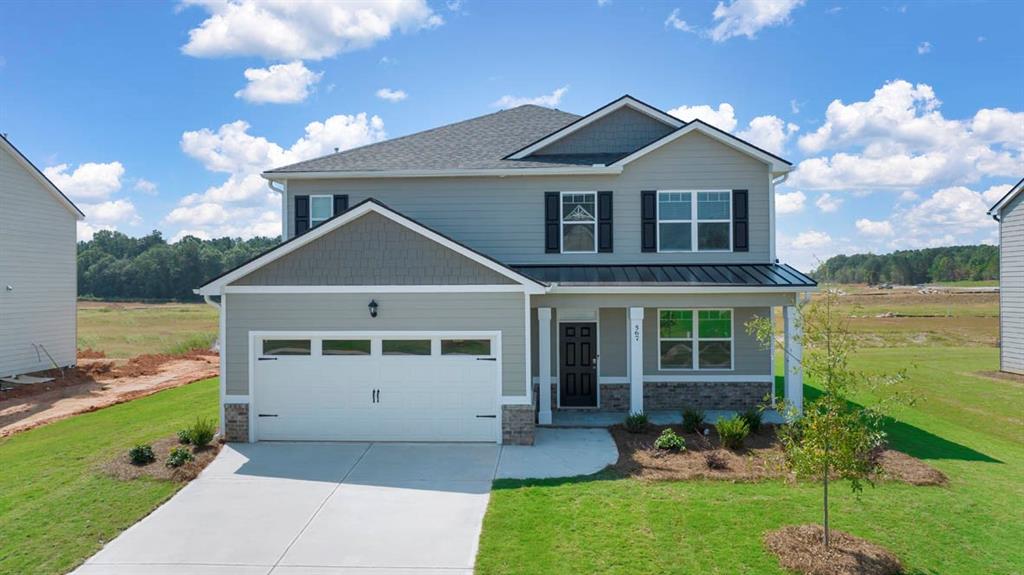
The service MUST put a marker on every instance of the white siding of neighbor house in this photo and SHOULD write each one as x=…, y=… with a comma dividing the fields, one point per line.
x=504, y=217
x=37, y=260
x=1011, y=286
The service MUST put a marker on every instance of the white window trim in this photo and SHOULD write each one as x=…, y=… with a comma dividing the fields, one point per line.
x=693, y=221
x=562, y=223
x=697, y=339
x=313, y=224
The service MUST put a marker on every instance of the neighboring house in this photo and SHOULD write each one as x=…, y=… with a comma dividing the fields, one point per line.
x=38, y=274
x=464, y=283
x=1009, y=212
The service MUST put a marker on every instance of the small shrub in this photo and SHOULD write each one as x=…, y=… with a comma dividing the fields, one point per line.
x=202, y=432
x=141, y=454
x=753, y=419
x=732, y=431
x=714, y=460
x=670, y=440
x=693, y=420
x=185, y=436
x=179, y=456
x=636, y=422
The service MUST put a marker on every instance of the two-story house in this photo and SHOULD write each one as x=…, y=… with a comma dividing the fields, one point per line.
x=464, y=283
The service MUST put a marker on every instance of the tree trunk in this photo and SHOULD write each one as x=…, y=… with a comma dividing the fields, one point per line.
x=826, y=507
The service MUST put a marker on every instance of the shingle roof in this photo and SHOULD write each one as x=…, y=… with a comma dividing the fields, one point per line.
x=720, y=275
x=478, y=143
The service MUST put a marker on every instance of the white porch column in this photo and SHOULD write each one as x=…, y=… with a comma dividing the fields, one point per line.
x=636, y=359
x=794, y=356
x=544, y=364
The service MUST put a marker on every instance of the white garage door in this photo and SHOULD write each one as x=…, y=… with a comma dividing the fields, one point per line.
x=377, y=387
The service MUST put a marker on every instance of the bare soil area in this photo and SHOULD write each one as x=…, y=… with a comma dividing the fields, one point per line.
x=800, y=549
x=760, y=458
x=122, y=468
x=97, y=383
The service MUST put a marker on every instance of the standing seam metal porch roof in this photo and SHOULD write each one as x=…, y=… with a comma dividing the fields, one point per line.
x=691, y=275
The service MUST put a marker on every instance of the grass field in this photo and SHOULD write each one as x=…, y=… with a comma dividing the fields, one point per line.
x=123, y=330
x=56, y=509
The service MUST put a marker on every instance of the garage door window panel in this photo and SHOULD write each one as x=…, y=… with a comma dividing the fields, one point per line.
x=348, y=347
x=406, y=347
x=466, y=347
x=280, y=347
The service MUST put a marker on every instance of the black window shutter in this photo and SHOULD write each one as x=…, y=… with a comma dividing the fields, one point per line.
x=604, y=222
x=740, y=222
x=648, y=221
x=301, y=215
x=340, y=203
x=552, y=209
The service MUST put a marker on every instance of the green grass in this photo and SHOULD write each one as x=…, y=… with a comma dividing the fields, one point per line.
x=124, y=330
x=56, y=509
x=969, y=427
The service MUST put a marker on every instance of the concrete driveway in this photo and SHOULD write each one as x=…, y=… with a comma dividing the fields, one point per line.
x=339, y=508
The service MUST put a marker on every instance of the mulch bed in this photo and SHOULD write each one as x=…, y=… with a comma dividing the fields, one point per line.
x=121, y=468
x=800, y=548
x=760, y=458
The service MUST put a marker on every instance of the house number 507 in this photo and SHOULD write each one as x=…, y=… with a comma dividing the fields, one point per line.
x=636, y=333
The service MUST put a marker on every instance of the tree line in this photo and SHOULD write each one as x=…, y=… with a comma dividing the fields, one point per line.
x=113, y=265
x=910, y=267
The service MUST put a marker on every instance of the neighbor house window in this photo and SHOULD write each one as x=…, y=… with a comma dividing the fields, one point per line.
x=689, y=338
x=579, y=222
x=321, y=208
x=694, y=221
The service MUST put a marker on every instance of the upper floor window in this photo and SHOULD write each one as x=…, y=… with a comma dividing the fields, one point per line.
x=694, y=221
x=579, y=222
x=321, y=208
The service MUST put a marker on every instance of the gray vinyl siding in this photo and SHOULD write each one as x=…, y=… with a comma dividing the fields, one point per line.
x=1011, y=286
x=504, y=217
x=622, y=131
x=373, y=250
x=749, y=357
x=504, y=312
x=37, y=259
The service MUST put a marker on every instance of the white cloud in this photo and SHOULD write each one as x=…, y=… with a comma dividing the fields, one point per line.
x=828, y=203
x=900, y=139
x=674, y=21
x=240, y=205
x=86, y=230
x=145, y=186
x=924, y=47
x=724, y=118
x=391, y=95
x=794, y=106
x=874, y=228
x=89, y=181
x=111, y=212
x=748, y=17
x=908, y=196
x=301, y=29
x=996, y=193
x=769, y=132
x=549, y=100
x=279, y=84
x=951, y=215
x=811, y=239
x=790, y=203
x=603, y=2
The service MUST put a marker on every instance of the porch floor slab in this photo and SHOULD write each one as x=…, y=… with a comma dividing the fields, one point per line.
x=586, y=418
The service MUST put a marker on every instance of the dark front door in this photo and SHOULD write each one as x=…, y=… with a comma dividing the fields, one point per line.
x=578, y=387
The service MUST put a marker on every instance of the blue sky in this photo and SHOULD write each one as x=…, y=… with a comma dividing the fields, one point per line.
x=905, y=119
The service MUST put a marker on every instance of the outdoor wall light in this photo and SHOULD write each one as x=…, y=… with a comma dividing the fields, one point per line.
x=373, y=308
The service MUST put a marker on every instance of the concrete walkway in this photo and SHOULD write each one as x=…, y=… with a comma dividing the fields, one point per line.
x=340, y=508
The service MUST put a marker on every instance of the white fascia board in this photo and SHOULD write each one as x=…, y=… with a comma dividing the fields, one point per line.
x=28, y=166
x=601, y=113
x=300, y=289
x=214, y=287
x=668, y=289
x=1009, y=197
x=777, y=166
x=497, y=173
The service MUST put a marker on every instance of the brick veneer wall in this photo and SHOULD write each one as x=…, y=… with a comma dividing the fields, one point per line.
x=678, y=395
x=236, y=422
x=518, y=424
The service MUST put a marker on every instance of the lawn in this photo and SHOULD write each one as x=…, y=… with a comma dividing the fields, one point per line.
x=124, y=330
x=969, y=427
x=56, y=510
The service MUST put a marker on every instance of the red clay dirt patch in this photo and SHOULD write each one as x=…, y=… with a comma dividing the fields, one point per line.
x=121, y=468
x=96, y=384
x=800, y=548
x=90, y=353
x=760, y=458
